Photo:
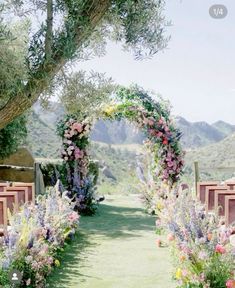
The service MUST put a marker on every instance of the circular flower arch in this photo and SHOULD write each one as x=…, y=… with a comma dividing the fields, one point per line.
x=137, y=106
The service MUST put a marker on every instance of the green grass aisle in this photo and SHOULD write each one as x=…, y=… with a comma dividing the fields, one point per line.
x=116, y=249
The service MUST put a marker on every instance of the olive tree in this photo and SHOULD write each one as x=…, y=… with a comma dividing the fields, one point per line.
x=64, y=31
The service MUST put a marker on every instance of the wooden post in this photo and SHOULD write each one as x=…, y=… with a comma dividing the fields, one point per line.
x=196, y=175
x=37, y=181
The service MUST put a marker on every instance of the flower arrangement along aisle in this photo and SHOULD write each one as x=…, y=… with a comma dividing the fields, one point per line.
x=203, y=254
x=78, y=180
x=37, y=233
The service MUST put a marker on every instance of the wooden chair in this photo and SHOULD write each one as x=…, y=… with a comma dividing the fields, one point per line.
x=220, y=200
x=3, y=216
x=31, y=189
x=23, y=193
x=12, y=200
x=229, y=209
x=201, y=189
x=230, y=184
x=3, y=185
x=210, y=196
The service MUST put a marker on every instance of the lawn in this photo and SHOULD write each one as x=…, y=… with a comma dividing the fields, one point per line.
x=115, y=249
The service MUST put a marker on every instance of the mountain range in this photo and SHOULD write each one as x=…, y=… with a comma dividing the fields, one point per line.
x=199, y=134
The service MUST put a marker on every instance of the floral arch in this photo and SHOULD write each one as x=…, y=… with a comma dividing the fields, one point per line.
x=137, y=106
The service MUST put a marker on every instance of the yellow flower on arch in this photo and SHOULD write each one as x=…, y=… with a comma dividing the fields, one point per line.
x=109, y=110
x=159, y=206
x=57, y=263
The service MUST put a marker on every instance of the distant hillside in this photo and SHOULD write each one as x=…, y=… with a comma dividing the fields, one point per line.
x=221, y=154
x=224, y=127
x=216, y=161
x=116, y=132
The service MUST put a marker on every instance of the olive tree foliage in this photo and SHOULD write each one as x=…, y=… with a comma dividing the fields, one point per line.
x=12, y=136
x=63, y=31
x=84, y=93
x=13, y=49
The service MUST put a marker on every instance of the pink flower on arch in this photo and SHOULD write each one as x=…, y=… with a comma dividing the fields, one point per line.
x=78, y=153
x=77, y=126
x=170, y=163
x=152, y=132
x=160, y=121
x=165, y=141
x=167, y=129
x=73, y=216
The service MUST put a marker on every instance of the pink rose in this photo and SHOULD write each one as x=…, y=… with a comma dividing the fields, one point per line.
x=78, y=153
x=220, y=249
x=152, y=132
x=77, y=126
x=73, y=216
x=170, y=164
x=167, y=129
x=72, y=133
x=28, y=282
x=160, y=121
x=151, y=122
x=170, y=237
x=184, y=273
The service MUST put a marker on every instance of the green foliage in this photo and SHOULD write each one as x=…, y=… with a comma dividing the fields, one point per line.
x=12, y=136
x=84, y=93
x=218, y=270
x=141, y=25
x=82, y=30
x=94, y=171
x=13, y=45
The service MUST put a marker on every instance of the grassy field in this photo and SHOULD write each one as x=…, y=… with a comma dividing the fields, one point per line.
x=115, y=249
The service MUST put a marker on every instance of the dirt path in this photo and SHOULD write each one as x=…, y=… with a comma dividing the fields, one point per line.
x=115, y=249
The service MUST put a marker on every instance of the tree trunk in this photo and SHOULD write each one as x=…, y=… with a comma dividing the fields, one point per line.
x=37, y=84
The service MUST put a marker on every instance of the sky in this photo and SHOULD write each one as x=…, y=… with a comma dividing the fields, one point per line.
x=197, y=70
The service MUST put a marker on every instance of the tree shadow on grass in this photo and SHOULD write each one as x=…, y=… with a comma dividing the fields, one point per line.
x=109, y=222
x=73, y=258
x=117, y=222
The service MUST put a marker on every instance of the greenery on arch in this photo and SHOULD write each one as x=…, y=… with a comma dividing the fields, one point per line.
x=137, y=106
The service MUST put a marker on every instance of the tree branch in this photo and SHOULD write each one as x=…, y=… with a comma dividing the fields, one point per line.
x=41, y=79
x=49, y=31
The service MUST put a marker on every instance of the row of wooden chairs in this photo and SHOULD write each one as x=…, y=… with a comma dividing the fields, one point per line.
x=218, y=198
x=12, y=196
